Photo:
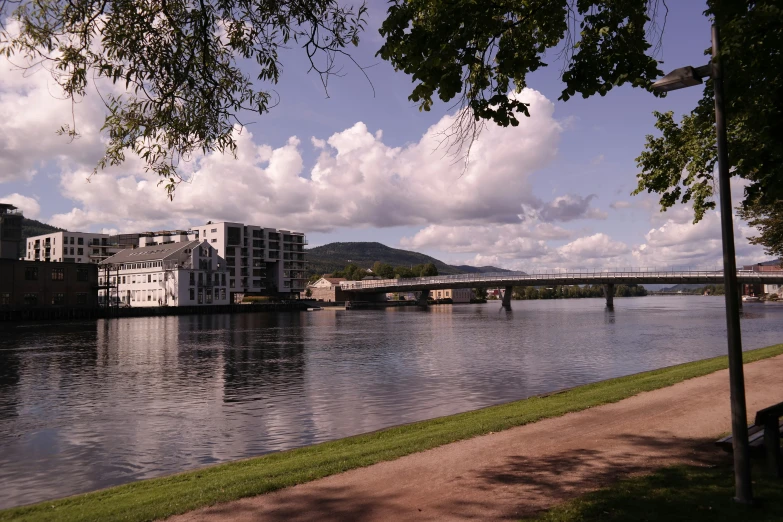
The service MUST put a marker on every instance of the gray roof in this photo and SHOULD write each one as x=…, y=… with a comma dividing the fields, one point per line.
x=149, y=253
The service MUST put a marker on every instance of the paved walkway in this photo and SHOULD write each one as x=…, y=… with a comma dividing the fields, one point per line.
x=515, y=473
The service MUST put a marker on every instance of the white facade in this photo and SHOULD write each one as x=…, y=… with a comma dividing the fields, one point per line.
x=76, y=247
x=182, y=274
x=259, y=260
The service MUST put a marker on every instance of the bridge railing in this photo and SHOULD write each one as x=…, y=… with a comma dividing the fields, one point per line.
x=560, y=276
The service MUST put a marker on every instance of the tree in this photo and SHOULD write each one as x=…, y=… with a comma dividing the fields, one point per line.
x=680, y=163
x=383, y=270
x=179, y=62
x=428, y=270
x=308, y=292
x=481, y=52
x=480, y=294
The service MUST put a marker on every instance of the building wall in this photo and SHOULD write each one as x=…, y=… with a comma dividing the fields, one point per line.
x=69, y=247
x=167, y=283
x=260, y=261
x=326, y=294
x=457, y=295
x=10, y=233
x=37, y=284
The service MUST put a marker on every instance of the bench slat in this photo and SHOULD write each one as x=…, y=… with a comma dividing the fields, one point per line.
x=755, y=438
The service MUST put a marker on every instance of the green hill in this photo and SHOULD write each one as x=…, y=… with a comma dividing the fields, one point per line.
x=334, y=256
x=32, y=227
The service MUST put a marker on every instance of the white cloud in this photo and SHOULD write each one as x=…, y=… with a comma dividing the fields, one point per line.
x=597, y=160
x=571, y=207
x=617, y=205
x=679, y=242
x=29, y=206
x=357, y=181
x=32, y=108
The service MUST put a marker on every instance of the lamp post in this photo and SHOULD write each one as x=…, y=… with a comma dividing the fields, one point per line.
x=687, y=77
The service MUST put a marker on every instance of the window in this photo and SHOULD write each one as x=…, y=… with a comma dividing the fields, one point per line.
x=123, y=279
x=209, y=296
x=5, y=298
x=217, y=279
x=214, y=230
x=31, y=274
x=58, y=274
x=71, y=251
x=223, y=294
x=223, y=279
x=192, y=279
x=30, y=299
x=233, y=236
x=95, y=251
x=214, y=240
x=71, y=240
x=79, y=251
x=200, y=278
x=58, y=299
x=81, y=298
x=200, y=296
x=79, y=241
x=231, y=283
x=81, y=274
x=192, y=294
x=149, y=278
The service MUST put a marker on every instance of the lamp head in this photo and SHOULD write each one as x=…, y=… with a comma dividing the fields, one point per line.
x=681, y=78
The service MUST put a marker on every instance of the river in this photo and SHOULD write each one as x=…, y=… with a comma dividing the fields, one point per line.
x=86, y=405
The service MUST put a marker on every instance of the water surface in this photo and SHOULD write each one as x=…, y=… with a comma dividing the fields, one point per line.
x=93, y=404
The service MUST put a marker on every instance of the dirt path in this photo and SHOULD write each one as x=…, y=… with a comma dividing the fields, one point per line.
x=520, y=471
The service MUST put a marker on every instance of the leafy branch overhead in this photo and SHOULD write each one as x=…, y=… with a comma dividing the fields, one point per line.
x=480, y=52
x=178, y=61
x=679, y=164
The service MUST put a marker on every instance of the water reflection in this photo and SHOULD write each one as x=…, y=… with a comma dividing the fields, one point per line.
x=108, y=402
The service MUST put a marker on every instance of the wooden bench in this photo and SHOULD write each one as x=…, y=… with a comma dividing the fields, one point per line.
x=764, y=437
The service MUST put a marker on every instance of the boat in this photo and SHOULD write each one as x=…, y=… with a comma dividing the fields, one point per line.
x=749, y=298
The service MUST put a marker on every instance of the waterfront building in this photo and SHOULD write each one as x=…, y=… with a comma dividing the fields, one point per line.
x=175, y=274
x=326, y=289
x=77, y=247
x=260, y=261
x=37, y=284
x=457, y=295
x=10, y=232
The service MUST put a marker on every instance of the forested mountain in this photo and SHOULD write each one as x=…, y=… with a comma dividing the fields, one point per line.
x=335, y=256
x=32, y=227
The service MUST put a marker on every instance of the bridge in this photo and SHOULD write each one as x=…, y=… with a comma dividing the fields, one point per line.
x=374, y=289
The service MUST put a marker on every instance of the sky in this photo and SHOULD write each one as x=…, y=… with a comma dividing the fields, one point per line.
x=362, y=163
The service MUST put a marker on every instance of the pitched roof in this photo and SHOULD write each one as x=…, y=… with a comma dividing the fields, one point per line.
x=150, y=253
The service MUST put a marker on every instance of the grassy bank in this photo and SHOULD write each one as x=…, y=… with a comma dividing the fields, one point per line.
x=678, y=493
x=162, y=497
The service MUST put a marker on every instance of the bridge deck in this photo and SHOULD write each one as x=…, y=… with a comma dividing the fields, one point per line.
x=501, y=279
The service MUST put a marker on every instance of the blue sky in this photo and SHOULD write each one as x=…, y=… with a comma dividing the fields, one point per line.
x=568, y=175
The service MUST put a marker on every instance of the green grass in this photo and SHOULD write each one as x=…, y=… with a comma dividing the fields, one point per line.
x=158, y=498
x=678, y=493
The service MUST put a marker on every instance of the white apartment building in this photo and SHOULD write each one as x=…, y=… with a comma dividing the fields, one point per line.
x=76, y=247
x=259, y=260
x=175, y=274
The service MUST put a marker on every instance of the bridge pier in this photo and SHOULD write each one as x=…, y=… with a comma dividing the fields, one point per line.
x=506, y=305
x=609, y=294
x=421, y=299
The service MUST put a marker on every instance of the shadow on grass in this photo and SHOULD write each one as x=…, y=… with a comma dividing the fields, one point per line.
x=677, y=493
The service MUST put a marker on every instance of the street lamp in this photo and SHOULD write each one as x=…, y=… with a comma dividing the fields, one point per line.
x=687, y=77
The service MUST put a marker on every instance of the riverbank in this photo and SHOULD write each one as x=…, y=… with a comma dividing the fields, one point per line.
x=159, y=498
